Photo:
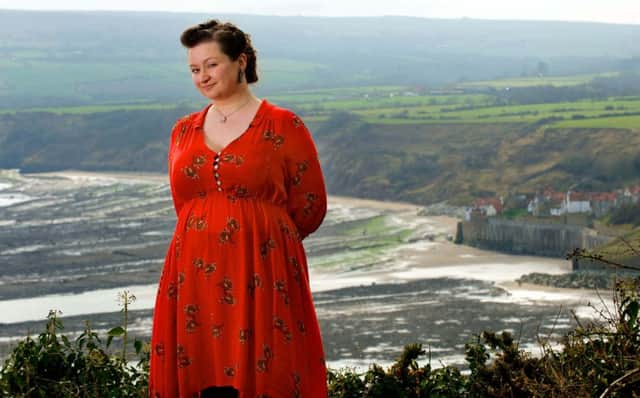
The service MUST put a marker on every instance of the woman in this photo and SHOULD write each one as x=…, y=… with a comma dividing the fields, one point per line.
x=234, y=315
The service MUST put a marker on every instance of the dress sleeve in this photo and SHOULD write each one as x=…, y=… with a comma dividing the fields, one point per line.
x=306, y=193
x=176, y=134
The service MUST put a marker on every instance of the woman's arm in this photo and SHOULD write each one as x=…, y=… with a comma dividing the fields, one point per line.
x=177, y=132
x=306, y=193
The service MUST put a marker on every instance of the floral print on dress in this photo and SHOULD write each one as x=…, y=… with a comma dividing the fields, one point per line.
x=280, y=325
x=197, y=223
x=245, y=335
x=216, y=330
x=209, y=269
x=254, y=283
x=263, y=362
x=281, y=288
x=267, y=246
x=159, y=349
x=286, y=230
x=297, y=122
x=172, y=290
x=226, y=236
x=236, y=160
x=191, y=311
x=300, y=170
x=237, y=192
x=295, y=265
x=191, y=171
x=227, y=296
x=183, y=129
x=275, y=139
x=230, y=371
x=183, y=359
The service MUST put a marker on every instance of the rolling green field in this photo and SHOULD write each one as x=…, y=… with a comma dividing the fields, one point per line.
x=558, y=81
x=101, y=108
x=391, y=105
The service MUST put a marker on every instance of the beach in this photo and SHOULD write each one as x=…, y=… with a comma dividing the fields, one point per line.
x=381, y=275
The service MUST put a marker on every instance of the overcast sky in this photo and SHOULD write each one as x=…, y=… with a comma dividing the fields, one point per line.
x=616, y=11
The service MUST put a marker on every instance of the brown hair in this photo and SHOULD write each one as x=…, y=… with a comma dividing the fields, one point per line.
x=232, y=41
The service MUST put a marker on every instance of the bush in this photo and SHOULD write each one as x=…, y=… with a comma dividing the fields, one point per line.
x=53, y=366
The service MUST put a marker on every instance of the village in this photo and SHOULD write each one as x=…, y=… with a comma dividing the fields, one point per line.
x=547, y=202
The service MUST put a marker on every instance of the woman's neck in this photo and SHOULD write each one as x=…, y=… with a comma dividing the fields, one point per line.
x=234, y=100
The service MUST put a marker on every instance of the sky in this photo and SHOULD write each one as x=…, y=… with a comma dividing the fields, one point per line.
x=610, y=11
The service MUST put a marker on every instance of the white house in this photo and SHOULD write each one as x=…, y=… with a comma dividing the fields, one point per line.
x=576, y=202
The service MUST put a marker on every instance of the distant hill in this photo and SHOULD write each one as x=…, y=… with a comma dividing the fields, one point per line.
x=81, y=58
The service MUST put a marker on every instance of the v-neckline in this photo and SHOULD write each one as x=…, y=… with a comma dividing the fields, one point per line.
x=251, y=124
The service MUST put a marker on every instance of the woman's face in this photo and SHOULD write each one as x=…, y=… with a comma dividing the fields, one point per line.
x=213, y=73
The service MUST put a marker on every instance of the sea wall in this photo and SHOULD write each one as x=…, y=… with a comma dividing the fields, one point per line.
x=553, y=240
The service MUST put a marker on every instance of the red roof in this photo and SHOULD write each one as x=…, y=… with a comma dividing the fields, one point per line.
x=495, y=202
x=604, y=196
x=556, y=196
x=579, y=196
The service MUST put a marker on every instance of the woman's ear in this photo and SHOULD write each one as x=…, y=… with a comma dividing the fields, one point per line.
x=242, y=61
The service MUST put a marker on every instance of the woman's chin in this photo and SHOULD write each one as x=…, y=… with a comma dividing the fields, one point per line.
x=212, y=95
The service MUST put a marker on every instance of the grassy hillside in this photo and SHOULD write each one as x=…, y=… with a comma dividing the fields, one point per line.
x=385, y=142
x=458, y=162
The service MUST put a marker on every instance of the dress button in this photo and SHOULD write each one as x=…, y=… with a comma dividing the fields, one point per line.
x=217, y=175
x=220, y=189
x=219, y=182
x=215, y=167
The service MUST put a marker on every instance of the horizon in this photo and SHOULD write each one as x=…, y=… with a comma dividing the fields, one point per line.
x=571, y=11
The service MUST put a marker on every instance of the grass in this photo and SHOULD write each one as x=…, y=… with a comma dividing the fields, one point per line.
x=621, y=122
x=537, y=81
x=98, y=108
x=384, y=105
x=618, y=250
x=368, y=241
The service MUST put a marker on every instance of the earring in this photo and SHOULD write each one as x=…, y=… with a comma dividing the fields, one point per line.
x=240, y=75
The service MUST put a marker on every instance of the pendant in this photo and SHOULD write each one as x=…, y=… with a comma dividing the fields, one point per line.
x=224, y=119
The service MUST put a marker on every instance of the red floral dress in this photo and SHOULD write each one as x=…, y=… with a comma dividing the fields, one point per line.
x=233, y=306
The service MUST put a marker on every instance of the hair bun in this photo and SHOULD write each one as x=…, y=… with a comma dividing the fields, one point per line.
x=208, y=24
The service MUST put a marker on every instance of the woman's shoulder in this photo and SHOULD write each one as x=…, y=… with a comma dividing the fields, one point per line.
x=187, y=119
x=182, y=126
x=286, y=117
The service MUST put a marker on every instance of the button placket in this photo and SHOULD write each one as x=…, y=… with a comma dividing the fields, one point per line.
x=216, y=174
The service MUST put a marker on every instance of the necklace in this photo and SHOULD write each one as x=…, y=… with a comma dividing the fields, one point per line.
x=225, y=117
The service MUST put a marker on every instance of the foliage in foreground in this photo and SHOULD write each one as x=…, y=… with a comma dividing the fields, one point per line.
x=600, y=359
x=53, y=366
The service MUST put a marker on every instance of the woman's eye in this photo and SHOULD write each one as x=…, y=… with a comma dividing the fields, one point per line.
x=194, y=71
x=212, y=65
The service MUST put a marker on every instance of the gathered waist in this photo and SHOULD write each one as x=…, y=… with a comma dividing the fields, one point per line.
x=227, y=203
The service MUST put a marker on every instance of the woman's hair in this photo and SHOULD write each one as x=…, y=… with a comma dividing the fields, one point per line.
x=232, y=41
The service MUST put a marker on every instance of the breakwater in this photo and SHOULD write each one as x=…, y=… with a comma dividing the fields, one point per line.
x=544, y=239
